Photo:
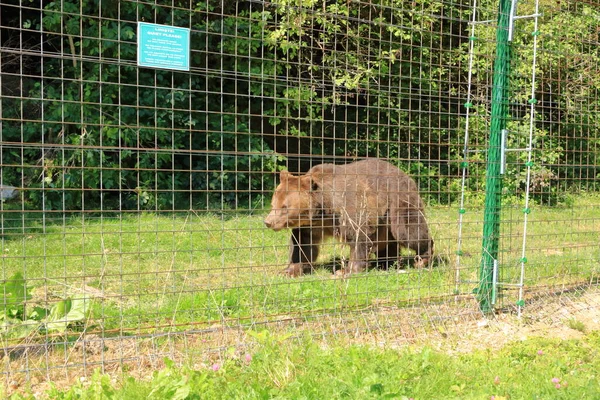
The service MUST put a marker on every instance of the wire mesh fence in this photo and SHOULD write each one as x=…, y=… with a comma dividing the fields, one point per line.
x=134, y=198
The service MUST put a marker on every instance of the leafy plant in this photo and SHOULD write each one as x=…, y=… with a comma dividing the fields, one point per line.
x=15, y=320
x=311, y=77
x=19, y=319
x=14, y=295
x=66, y=312
x=576, y=325
x=170, y=383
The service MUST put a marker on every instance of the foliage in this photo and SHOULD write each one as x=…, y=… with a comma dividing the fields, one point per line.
x=565, y=137
x=286, y=78
x=20, y=319
x=364, y=83
x=143, y=146
x=16, y=320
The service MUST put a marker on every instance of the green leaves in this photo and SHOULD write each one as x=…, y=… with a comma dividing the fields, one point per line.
x=18, y=319
x=14, y=321
x=342, y=80
x=170, y=383
x=14, y=293
x=67, y=312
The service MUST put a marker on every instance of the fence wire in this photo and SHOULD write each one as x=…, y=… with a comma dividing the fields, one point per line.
x=134, y=198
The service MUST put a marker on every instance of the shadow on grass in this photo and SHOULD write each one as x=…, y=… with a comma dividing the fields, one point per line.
x=405, y=262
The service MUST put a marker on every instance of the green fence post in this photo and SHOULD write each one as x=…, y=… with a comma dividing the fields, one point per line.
x=493, y=188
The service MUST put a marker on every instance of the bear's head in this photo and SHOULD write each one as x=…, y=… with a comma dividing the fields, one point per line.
x=292, y=205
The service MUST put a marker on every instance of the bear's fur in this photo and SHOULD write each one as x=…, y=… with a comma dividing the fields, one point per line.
x=370, y=205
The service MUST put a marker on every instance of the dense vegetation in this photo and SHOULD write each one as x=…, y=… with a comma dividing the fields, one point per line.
x=288, y=82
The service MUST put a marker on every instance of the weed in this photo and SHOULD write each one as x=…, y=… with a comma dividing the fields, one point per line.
x=576, y=325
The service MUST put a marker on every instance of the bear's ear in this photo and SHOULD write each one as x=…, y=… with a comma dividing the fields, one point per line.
x=314, y=180
x=308, y=183
x=284, y=175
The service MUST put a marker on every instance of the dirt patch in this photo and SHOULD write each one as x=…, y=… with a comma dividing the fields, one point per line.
x=565, y=315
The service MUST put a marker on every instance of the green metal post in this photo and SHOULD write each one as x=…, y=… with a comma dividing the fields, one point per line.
x=493, y=188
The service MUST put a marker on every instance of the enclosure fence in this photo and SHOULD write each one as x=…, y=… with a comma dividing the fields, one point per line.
x=137, y=172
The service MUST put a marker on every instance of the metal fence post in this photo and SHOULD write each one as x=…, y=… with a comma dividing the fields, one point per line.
x=491, y=224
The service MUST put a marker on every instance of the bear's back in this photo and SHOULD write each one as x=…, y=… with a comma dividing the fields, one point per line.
x=370, y=174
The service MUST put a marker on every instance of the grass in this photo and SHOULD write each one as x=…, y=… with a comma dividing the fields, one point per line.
x=153, y=274
x=276, y=367
x=576, y=325
x=145, y=271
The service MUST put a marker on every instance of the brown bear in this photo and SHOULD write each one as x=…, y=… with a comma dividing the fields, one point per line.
x=371, y=205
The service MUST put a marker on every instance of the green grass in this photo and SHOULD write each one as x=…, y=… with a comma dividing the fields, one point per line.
x=279, y=368
x=147, y=270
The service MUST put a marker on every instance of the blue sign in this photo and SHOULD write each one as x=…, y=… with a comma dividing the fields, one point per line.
x=163, y=46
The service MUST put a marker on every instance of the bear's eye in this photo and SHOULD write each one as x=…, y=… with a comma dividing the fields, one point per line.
x=284, y=207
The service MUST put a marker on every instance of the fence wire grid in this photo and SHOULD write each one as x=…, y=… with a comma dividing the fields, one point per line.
x=134, y=198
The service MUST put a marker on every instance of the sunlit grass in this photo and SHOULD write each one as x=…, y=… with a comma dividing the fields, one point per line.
x=536, y=368
x=147, y=269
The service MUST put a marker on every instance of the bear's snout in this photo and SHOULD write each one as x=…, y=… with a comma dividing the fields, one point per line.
x=268, y=223
x=271, y=222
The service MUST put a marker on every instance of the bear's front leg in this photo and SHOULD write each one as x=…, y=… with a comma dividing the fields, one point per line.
x=359, y=256
x=304, y=250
